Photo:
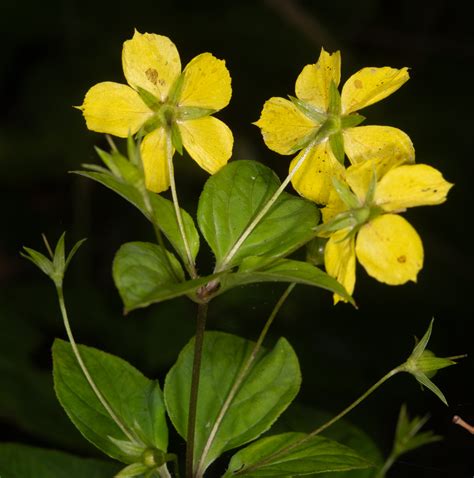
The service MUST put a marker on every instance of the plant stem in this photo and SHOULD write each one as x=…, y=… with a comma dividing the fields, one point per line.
x=169, y=154
x=86, y=373
x=386, y=466
x=163, y=471
x=230, y=255
x=240, y=378
x=198, y=345
x=317, y=431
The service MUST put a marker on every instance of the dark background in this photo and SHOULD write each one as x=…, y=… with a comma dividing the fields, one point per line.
x=53, y=51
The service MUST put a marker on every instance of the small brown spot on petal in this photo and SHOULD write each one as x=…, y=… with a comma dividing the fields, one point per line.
x=152, y=75
x=358, y=84
x=402, y=259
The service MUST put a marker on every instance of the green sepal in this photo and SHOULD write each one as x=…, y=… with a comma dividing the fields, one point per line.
x=133, y=150
x=186, y=113
x=131, y=471
x=176, y=138
x=55, y=268
x=351, y=121
x=309, y=110
x=407, y=436
x=149, y=99
x=423, y=363
x=346, y=195
x=334, y=100
x=336, y=142
x=152, y=123
x=176, y=89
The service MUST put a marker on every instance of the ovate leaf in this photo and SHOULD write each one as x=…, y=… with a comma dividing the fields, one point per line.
x=233, y=197
x=136, y=401
x=21, y=461
x=268, y=389
x=257, y=269
x=145, y=273
x=266, y=458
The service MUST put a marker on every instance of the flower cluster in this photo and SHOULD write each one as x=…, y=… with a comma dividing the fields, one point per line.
x=361, y=201
x=171, y=109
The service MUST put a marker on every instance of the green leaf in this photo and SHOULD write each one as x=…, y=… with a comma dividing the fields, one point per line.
x=268, y=389
x=144, y=274
x=21, y=461
x=233, y=197
x=305, y=419
x=135, y=400
x=39, y=260
x=317, y=455
x=163, y=212
x=256, y=269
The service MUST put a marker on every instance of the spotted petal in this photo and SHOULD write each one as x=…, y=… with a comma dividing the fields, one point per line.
x=206, y=83
x=208, y=141
x=313, y=180
x=114, y=109
x=370, y=85
x=340, y=260
x=409, y=186
x=284, y=127
x=155, y=160
x=314, y=81
x=384, y=143
x=151, y=62
x=390, y=249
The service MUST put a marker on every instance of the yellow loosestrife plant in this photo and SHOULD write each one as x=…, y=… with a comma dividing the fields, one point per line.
x=225, y=391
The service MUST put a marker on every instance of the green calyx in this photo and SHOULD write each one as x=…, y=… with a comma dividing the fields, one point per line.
x=152, y=457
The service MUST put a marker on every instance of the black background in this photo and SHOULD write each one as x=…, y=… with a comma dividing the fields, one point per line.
x=53, y=51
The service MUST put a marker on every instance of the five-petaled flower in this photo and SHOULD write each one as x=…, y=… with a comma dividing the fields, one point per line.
x=171, y=108
x=325, y=121
x=363, y=221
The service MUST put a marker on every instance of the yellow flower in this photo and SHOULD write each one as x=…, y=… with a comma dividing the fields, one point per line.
x=364, y=223
x=161, y=101
x=322, y=117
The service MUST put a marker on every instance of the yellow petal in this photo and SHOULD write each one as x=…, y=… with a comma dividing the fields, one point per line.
x=284, y=126
x=114, y=109
x=206, y=83
x=151, y=62
x=411, y=185
x=370, y=85
x=383, y=143
x=339, y=259
x=314, y=81
x=208, y=141
x=390, y=249
x=313, y=180
x=155, y=161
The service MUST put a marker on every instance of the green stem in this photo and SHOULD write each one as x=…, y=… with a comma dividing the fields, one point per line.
x=240, y=378
x=246, y=233
x=86, y=373
x=169, y=154
x=158, y=233
x=386, y=466
x=198, y=345
x=317, y=431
